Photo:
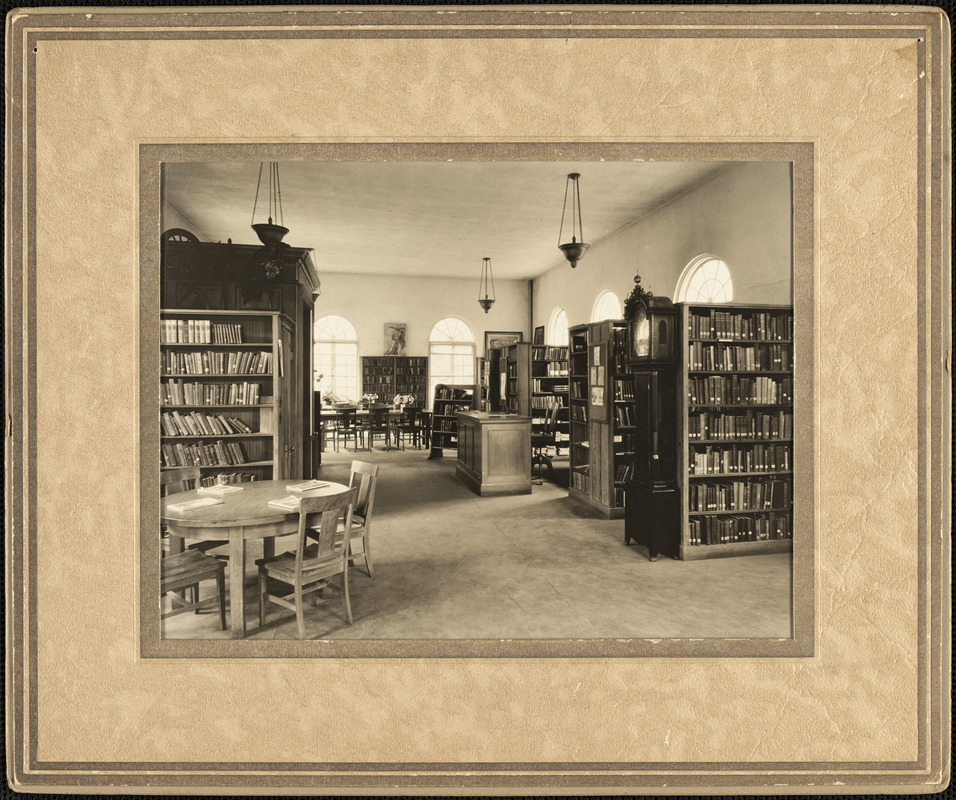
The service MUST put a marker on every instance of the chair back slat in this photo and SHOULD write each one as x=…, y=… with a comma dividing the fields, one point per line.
x=320, y=516
x=172, y=481
x=364, y=474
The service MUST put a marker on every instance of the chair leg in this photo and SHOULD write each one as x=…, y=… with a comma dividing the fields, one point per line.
x=368, y=555
x=299, y=612
x=262, y=598
x=345, y=594
x=221, y=590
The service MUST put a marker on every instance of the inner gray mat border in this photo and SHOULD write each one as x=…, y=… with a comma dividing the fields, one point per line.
x=801, y=157
x=940, y=314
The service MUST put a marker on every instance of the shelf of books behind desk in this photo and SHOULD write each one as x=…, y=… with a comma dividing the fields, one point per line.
x=217, y=393
x=447, y=402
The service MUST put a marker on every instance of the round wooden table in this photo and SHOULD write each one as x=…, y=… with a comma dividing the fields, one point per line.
x=240, y=516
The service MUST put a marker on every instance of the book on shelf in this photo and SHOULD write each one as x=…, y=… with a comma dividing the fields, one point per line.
x=290, y=503
x=193, y=505
x=307, y=486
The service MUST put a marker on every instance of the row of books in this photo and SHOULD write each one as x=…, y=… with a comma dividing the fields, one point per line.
x=710, y=460
x=557, y=353
x=579, y=479
x=739, y=496
x=382, y=374
x=623, y=472
x=738, y=357
x=446, y=393
x=197, y=424
x=180, y=393
x=623, y=389
x=547, y=400
x=624, y=443
x=544, y=385
x=579, y=389
x=390, y=361
x=725, y=530
x=579, y=413
x=411, y=372
x=226, y=478
x=625, y=416
x=722, y=390
x=199, y=331
x=740, y=425
x=741, y=324
x=210, y=362
x=203, y=454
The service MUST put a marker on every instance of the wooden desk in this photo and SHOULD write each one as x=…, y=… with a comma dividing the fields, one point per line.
x=494, y=452
x=240, y=517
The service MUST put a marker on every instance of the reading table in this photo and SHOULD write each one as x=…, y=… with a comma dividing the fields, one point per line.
x=241, y=516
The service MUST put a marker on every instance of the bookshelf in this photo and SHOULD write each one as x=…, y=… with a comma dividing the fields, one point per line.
x=735, y=472
x=580, y=432
x=550, y=384
x=224, y=376
x=602, y=421
x=515, y=363
x=388, y=376
x=448, y=400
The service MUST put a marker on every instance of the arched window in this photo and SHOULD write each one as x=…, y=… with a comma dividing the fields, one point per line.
x=705, y=280
x=451, y=350
x=607, y=306
x=335, y=346
x=557, y=328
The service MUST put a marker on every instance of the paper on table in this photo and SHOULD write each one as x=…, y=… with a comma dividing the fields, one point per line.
x=307, y=486
x=220, y=489
x=192, y=505
x=290, y=503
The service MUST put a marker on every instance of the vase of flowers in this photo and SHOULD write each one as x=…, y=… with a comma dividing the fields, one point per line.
x=399, y=401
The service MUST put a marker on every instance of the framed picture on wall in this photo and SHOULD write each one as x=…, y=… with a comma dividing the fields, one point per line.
x=395, y=338
x=497, y=339
x=538, y=337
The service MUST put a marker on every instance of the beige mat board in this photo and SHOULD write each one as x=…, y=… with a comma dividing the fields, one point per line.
x=856, y=98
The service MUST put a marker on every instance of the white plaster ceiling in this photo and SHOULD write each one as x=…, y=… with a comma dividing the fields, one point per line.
x=428, y=218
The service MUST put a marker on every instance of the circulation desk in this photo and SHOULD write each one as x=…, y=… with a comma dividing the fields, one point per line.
x=494, y=452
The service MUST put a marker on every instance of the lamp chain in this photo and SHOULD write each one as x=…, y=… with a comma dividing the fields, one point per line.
x=564, y=208
x=258, y=183
x=577, y=189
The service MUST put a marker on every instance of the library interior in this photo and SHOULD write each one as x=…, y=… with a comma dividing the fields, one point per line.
x=455, y=400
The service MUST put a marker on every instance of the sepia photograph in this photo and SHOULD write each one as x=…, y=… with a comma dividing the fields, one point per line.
x=618, y=463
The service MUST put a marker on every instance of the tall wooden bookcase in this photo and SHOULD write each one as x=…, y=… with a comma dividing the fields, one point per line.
x=601, y=425
x=388, y=376
x=514, y=362
x=549, y=385
x=448, y=400
x=236, y=278
x=224, y=394
x=735, y=470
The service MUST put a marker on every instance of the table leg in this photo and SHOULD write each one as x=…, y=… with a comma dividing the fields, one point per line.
x=237, y=579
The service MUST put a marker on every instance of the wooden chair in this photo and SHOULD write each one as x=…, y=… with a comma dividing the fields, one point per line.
x=181, y=571
x=409, y=426
x=346, y=426
x=427, y=428
x=363, y=477
x=540, y=442
x=172, y=481
x=378, y=424
x=182, y=480
x=307, y=569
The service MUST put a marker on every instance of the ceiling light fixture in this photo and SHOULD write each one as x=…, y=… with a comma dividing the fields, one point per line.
x=267, y=232
x=487, y=282
x=574, y=250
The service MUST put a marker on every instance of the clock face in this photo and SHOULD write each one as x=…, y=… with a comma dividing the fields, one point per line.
x=641, y=331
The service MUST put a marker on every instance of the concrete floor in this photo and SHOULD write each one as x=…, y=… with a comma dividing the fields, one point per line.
x=451, y=565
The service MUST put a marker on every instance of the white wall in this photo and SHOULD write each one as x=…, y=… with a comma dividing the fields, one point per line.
x=743, y=215
x=369, y=301
x=171, y=218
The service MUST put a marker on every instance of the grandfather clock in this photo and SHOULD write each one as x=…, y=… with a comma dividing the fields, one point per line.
x=652, y=501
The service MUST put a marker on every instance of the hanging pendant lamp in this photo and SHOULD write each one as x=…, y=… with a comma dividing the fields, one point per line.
x=268, y=232
x=574, y=250
x=486, y=284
